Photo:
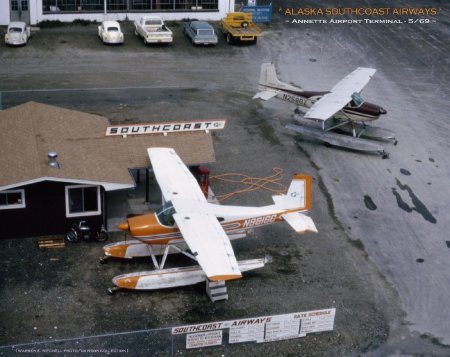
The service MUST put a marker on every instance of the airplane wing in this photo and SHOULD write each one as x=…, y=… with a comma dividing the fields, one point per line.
x=209, y=244
x=341, y=94
x=265, y=95
x=174, y=178
x=202, y=231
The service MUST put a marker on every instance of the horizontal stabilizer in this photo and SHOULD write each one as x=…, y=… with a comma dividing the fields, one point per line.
x=265, y=95
x=300, y=222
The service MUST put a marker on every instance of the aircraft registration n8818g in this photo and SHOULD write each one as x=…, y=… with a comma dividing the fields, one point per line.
x=188, y=220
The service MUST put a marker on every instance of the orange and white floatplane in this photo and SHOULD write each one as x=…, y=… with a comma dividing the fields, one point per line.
x=187, y=220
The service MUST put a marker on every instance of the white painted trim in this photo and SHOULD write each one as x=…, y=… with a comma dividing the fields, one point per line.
x=37, y=15
x=85, y=213
x=14, y=206
x=108, y=186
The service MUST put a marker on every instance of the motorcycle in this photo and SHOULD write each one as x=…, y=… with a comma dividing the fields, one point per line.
x=81, y=230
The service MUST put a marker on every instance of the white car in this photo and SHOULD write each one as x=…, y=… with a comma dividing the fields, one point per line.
x=109, y=32
x=17, y=33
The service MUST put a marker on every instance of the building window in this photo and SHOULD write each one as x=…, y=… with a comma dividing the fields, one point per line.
x=83, y=200
x=140, y=5
x=24, y=5
x=127, y=5
x=12, y=199
x=207, y=4
x=14, y=5
x=117, y=5
x=93, y=5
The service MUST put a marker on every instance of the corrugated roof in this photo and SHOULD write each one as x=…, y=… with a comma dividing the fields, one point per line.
x=28, y=132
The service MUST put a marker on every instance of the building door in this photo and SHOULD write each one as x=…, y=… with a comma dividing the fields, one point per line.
x=20, y=10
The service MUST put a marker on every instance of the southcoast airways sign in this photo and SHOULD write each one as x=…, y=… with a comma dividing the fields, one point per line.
x=258, y=329
x=165, y=128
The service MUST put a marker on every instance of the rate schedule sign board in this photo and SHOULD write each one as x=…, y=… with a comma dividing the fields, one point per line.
x=258, y=329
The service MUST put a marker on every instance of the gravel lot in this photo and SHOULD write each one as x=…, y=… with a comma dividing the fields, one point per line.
x=364, y=261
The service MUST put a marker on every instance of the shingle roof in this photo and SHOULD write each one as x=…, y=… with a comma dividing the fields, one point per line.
x=28, y=132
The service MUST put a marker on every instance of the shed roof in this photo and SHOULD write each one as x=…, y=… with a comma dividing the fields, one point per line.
x=28, y=132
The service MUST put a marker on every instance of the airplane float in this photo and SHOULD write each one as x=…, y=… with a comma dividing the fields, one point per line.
x=341, y=109
x=187, y=220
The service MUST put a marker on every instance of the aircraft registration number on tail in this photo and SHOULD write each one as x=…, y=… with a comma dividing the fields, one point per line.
x=257, y=221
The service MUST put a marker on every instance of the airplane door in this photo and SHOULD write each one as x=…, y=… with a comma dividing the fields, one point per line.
x=20, y=10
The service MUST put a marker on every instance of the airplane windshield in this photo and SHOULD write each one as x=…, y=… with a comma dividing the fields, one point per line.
x=165, y=214
x=356, y=100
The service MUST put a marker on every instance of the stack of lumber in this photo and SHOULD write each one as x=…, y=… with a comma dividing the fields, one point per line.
x=46, y=243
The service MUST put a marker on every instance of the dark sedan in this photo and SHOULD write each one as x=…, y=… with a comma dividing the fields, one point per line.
x=200, y=33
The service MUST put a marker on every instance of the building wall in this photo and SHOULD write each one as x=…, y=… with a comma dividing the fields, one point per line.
x=4, y=12
x=37, y=15
x=44, y=214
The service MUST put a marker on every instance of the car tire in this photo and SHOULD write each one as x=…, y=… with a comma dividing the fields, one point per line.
x=230, y=39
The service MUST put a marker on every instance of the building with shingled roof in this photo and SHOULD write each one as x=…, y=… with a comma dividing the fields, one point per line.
x=57, y=166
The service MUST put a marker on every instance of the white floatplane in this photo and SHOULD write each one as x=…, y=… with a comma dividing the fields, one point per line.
x=341, y=109
x=188, y=220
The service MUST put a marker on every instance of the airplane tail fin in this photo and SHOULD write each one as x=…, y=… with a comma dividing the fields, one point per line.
x=268, y=79
x=299, y=196
x=268, y=76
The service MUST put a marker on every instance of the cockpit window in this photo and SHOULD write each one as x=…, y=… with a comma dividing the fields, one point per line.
x=356, y=100
x=165, y=214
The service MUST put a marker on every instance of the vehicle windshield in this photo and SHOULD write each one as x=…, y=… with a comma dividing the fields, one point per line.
x=15, y=29
x=205, y=32
x=165, y=214
x=113, y=29
x=356, y=100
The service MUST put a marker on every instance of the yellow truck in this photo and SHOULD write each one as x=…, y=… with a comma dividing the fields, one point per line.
x=238, y=26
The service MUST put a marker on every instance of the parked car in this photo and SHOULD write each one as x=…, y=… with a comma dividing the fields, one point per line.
x=109, y=32
x=153, y=30
x=17, y=33
x=200, y=33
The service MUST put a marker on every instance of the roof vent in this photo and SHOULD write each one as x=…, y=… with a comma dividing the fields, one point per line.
x=52, y=162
